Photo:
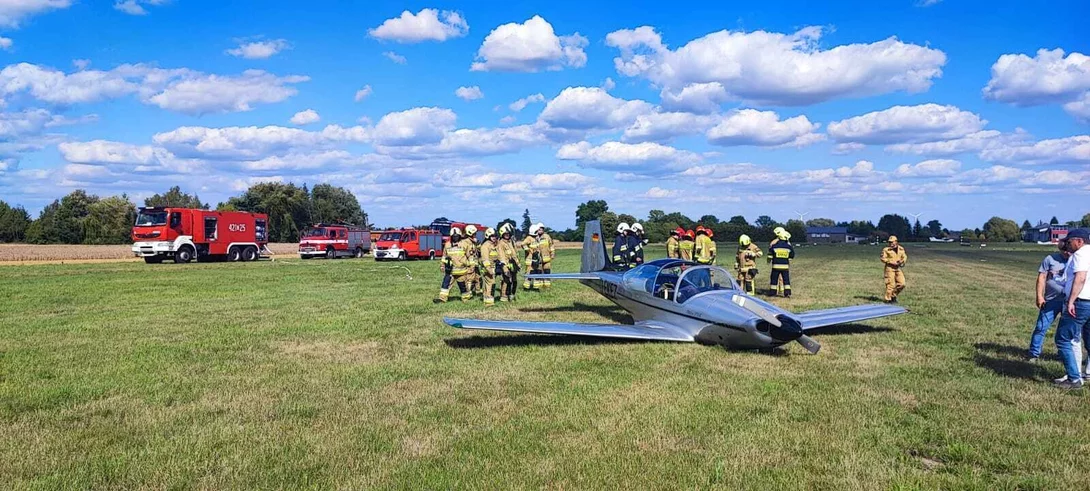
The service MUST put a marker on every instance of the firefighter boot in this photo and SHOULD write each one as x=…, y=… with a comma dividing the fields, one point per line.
x=444, y=293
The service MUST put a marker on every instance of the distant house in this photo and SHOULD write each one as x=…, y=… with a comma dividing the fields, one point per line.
x=827, y=235
x=1044, y=232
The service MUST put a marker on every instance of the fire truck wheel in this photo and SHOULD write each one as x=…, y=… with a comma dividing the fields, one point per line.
x=184, y=255
x=249, y=253
x=156, y=259
x=234, y=255
x=431, y=255
x=402, y=256
x=331, y=253
x=359, y=252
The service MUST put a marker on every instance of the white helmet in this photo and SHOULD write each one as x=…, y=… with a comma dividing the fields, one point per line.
x=540, y=227
x=455, y=231
x=533, y=229
x=622, y=228
x=471, y=230
x=489, y=232
x=636, y=227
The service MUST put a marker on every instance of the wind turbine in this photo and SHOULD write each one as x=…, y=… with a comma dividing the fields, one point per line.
x=917, y=217
x=802, y=216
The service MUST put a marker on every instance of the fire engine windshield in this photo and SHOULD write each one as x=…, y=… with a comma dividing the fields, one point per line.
x=392, y=236
x=314, y=232
x=149, y=218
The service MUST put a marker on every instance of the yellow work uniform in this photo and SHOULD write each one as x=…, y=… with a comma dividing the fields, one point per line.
x=473, y=259
x=746, y=265
x=533, y=263
x=685, y=249
x=546, y=248
x=509, y=258
x=705, y=249
x=894, y=258
x=490, y=255
x=673, y=248
x=455, y=265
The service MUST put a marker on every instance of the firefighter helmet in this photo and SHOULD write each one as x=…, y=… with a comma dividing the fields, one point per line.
x=471, y=230
x=786, y=236
x=636, y=227
x=489, y=232
x=623, y=227
x=744, y=240
x=690, y=235
x=778, y=230
x=540, y=227
x=892, y=239
x=455, y=231
x=533, y=229
x=701, y=230
x=678, y=232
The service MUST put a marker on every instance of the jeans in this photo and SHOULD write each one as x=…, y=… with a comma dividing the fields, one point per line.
x=1068, y=338
x=1048, y=313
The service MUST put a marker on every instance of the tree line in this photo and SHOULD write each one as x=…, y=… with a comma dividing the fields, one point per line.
x=82, y=218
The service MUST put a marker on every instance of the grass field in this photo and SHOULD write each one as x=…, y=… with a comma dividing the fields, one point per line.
x=340, y=374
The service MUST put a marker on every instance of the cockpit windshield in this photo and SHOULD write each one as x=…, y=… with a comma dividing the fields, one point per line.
x=641, y=278
x=700, y=279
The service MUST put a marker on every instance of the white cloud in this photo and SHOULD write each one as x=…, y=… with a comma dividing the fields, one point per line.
x=12, y=12
x=469, y=93
x=469, y=142
x=206, y=94
x=521, y=104
x=394, y=57
x=507, y=120
x=426, y=25
x=973, y=142
x=588, y=108
x=136, y=7
x=1047, y=78
x=414, y=127
x=259, y=50
x=637, y=159
x=929, y=168
x=846, y=148
x=529, y=47
x=608, y=84
x=1073, y=149
x=252, y=142
x=696, y=98
x=1079, y=108
x=363, y=93
x=763, y=128
x=81, y=64
x=907, y=124
x=661, y=126
x=6, y=43
x=110, y=152
x=778, y=69
x=305, y=117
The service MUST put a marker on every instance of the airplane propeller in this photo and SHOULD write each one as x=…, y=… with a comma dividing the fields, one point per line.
x=807, y=342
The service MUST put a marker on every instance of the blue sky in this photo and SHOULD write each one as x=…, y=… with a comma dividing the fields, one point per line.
x=957, y=110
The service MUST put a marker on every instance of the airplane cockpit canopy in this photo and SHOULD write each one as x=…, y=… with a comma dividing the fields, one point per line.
x=675, y=279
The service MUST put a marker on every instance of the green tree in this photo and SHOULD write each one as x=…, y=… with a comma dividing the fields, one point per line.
x=13, y=223
x=917, y=229
x=609, y=223
x=895, y=225
x=591, y=210
x=526, y=222
x=1085, y=220
x=1026, y=225
x=174, y=197
x=859, y=227
x=934, y=227
x=709, y=220
x=109, y=221
x=626, y=218
x=334, y=204
x=286, y=204
x=656, y=216
x=62, y=221
x=797, y=229
x=820, y=222
x=999, y=229
x=764, y=226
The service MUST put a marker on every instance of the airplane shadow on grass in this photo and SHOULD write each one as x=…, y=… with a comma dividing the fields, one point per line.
x=1009, y=361
x=523, y=340
x=614, y=314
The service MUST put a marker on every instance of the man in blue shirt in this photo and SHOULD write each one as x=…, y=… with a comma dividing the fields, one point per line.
x=1050, y=296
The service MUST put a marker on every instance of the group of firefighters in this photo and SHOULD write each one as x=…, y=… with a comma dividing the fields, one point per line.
x=476, y=267
x=697, y=245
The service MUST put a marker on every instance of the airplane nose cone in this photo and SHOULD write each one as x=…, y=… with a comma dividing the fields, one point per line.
x=789, y=330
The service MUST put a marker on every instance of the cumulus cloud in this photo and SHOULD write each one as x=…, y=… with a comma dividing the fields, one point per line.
x=6, y=43
x=414, y=127
x=532, y=46
x=426, y=25
x=639, y=159
x=590, y=108
x=608, y=84
x=204, y=94
x=929, y=168
x=259, y=50
x=973, y=142
x=13, y=12
x=661, y=126
x=1047, y=78
x=109, y=152
x=907, y=124
x=521, y=104
x=136, y=7
x=696, y=98
x=305, y=117
x=363, y=93
x=252, y=142
x=470, y=143
x=469, y=93
x=394, y=57
x=763, y=128
x=1073, y=149
x=777, y=69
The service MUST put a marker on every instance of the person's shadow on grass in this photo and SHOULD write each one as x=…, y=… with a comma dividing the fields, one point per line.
x=998, y=359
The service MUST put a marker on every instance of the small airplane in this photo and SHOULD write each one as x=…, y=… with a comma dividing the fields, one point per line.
x=937, y=239
x=677, y=300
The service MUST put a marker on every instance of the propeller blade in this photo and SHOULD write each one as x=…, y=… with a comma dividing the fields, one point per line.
x=809, y=343
x=758, y=310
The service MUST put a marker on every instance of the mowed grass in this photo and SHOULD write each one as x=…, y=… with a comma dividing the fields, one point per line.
x=340, y=374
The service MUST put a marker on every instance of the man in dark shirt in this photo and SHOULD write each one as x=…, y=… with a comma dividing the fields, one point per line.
x=1050, y=296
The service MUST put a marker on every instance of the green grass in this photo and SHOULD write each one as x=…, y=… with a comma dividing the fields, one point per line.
x=340, y=374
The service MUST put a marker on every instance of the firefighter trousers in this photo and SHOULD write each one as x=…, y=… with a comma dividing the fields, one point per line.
x=895, y=282
x=460, y=280
x=774, y=282
x=488, y=284
x=746, y=276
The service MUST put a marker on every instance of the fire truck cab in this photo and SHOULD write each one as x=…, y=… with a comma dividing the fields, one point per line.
x=333, y=241
x=187, y=234
x=409, y=243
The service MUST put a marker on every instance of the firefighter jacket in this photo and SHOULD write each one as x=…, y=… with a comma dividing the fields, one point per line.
x=747, y=257
x=704, y=249
x=685, y=249
x=456, y=260
x=472, y=253
x=894, y=257
x=621, y=252
x=546, y=247
x=672, y=245
x=529, y=249
x=508, y=255
x=781, y=253
x=490, y=255
x=635, y=249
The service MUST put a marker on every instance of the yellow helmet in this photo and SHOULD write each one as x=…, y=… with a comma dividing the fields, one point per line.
x=744, y=240
x=778, y=230
x=892, y=238
x=786, y=235
x=455, y=231
x=489, y=232
x=471, y=230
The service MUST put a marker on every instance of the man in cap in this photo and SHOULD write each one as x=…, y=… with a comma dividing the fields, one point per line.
x=621, y=252
x=455, y=265
x=1050, y=296
x=894, y=259
x=491, y=266
x=1074, y=328
x=673, y=243
x=746, y=263
x=687, y=246
x=546, y=248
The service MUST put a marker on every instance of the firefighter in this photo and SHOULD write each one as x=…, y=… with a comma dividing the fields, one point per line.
x=491, y=266
x=746, y=263
x=546, y=248
x=780, y=255
x=687, y=245
x=532, y=257
x=636, y=241
x=704, y=249
x=455, y=265
x=894, y=258
x=620, y=247
x=673, y=243
x=509, y=257
x=469, y=244
x=777, y=232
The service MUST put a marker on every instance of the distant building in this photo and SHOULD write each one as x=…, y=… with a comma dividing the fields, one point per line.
x=827, y=235
x=1044, y=232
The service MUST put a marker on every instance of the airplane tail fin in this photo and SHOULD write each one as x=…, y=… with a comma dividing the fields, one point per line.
x=595, y=257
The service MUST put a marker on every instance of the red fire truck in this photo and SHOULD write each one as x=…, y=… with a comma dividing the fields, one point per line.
x=409, y=243
x=333, y=241
x=187, y=234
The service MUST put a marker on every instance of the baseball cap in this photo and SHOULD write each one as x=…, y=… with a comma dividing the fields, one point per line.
x=1079, y=233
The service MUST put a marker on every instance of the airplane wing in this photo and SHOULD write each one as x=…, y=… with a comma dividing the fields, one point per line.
x=565, y=276
x=641, y=330
x=814, y=319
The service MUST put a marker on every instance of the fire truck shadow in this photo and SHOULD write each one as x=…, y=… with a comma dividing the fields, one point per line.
x=507, y=340
x=612, y=313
